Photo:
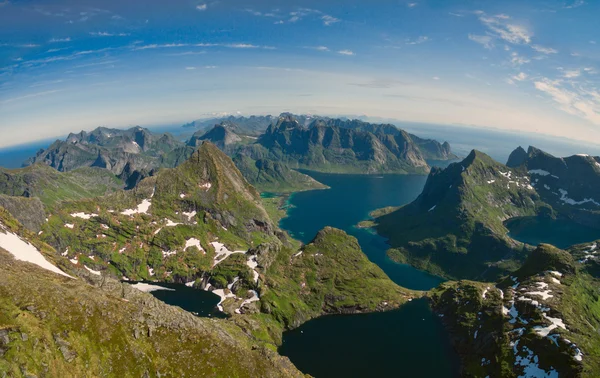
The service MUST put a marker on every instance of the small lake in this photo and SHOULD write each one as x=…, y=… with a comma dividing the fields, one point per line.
x=408, y=342
x=561, y=233
x=403, y=342
x=199, y=302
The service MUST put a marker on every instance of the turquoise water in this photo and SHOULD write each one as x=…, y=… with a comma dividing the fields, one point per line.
x=561, y=233
x=408, y=342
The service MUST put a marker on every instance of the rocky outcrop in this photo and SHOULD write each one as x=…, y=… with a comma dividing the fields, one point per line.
x=455, y=227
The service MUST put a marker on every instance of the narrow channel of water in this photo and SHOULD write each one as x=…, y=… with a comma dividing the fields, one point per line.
x=408, y=342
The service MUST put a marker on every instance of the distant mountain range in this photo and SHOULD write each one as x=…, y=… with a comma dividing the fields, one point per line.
x=281, y=143
x=130, y=154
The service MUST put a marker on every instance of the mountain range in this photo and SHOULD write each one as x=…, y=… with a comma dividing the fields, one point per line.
x=270, y=152
x=457, y=225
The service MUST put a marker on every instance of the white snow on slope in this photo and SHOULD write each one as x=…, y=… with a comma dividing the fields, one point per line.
x=83, y=215
x=24, y=251
x=147, y=288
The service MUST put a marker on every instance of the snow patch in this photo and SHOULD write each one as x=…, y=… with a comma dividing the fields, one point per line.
x=193, y=242
x=83, y=215
x=24, y=251
x=539, y=172
x=142, y=208
x=147, y=288
x=96, y=272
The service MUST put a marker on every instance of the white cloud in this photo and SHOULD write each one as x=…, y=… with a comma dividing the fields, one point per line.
x=201, y=7
x=570, y=74
x=484, y=40
x=501, y=27
x=328, y=20
x=346, y=52
x=544, y=50
x=419, y=40
x=412, y=5
x=54, y=40
x=190, y=68
x=318, y=48
x=575, y=4
x=518, y=60
x=578, y=102
x=436, y=78
x=520, y=76
x=278, y=22
x=107, y=34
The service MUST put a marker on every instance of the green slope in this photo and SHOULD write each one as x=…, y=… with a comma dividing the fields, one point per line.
x=455, y=227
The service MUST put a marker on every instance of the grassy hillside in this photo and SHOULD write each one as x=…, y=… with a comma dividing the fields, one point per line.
x=455, y=227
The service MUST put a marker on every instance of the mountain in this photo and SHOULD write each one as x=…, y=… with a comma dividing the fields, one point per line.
x=202, y=224
x=430, y=149
x=334, y=149
x=252, y=126
x=86, y=325
x=122, y=152
x=570, y=185
x=53, y=187
x=274, y=177
x=455, y=227
x=540, y=322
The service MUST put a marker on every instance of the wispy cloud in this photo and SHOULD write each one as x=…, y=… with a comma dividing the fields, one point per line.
x=570, y=74
x=201, y=7
x=502, y=26
x=318, y=48
x=44, y=83
x=107, y=34
x=412, y=5
x=32, y=95
x=520, y=76
x=575, y=4
x=517, y=60
x=417, y=41
x=55, y=40
x=484, y=40
x=576, y=101
x=228, y=45
x=346, y=52
x=544, y=50
x=329, y=20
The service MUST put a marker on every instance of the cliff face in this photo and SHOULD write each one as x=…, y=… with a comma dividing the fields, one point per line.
x=529, y=322
x=455, y=227
x=327, y=147
x=570, y=184
x=122, y=152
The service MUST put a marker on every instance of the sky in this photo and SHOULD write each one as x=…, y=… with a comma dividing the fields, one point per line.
x=70, y=65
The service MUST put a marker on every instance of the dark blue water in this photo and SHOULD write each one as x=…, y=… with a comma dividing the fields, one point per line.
x=561, y=233
x=349, y=201
x=199, y=302
x=408, y=342
x=13, y=157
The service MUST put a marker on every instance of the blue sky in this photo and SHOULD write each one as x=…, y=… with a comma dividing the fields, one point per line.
x=517, y=65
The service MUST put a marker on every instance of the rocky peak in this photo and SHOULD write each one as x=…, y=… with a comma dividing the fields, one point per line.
x=517, y=157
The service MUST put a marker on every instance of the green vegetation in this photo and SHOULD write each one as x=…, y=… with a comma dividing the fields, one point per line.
x=54, y=326
x=53, y=187
x=455, y=227
x=274, y=177
x=329, y=275
x=550, y=285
